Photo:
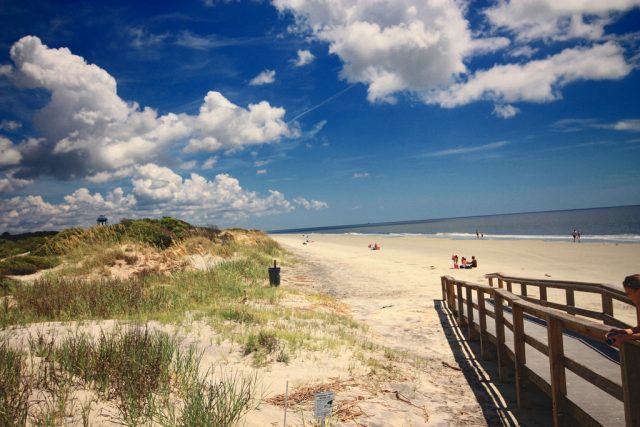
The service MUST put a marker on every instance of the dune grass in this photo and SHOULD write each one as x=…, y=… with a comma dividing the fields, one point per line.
x=145, y=376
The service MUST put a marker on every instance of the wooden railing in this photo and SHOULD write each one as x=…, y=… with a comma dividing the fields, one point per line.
x=459, y=296
x=607, y=294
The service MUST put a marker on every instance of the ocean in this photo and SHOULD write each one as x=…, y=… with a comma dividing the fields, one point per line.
x=614, y=224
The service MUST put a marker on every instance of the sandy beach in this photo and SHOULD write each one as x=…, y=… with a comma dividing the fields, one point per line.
x=395, y=291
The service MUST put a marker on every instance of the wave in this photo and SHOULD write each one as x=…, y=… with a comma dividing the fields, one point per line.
x=618, y=238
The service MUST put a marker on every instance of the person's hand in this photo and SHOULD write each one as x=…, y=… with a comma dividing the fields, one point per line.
x=616, y=337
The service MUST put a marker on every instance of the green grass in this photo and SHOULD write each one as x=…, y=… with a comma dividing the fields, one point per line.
x=28, y=264
x=146, y=375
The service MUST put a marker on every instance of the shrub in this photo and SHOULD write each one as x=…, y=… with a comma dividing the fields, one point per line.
x=22, y=265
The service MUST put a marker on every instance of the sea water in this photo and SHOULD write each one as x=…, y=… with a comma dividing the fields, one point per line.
x=614, y=224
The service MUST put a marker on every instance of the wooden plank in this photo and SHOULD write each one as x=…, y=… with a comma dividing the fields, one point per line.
x=629, y=363
x=571, y=301
x=575, y=310
x=523, y=289
x=604, y=384
x=499, y=318
x=482, y=319
x=470, y=331
x=556, y=366
x=443, y=284
x=607, y=308
x=543, y=292
x=460, y=304
x=542, y=348
x=519, y=350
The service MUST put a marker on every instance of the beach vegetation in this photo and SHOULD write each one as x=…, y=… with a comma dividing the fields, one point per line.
x=140, y=375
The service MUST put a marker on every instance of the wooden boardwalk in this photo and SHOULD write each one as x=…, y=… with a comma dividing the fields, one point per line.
x=561, y=354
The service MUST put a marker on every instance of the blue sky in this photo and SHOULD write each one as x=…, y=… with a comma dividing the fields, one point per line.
x=282, y=114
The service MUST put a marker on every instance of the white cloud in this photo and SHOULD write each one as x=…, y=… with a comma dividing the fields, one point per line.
x=156, y=191
x=221, y=125
x=209, y=163
x=505, y=111
x=266, y=77
x=9, y=183
x=28, y=213
x=358, y=175
x=88, y=129
x=310, y=204
x=191, y=164
x=632, y=125
x=305, y=57
x=390, y=45
x=203, y=200
x=536, y=81
x=9, y=154
x=10, y=125
x=459, y=151
x=523, y=51
x=261, y=172
x=557, y=20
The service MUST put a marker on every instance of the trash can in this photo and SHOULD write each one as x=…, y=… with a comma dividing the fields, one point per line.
x=274, y=275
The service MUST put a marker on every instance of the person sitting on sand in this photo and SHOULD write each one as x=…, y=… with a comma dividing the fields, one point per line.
x=631, y=286
x=474, y=262
x=464, y=263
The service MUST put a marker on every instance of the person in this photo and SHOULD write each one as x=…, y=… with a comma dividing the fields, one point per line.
x=454, y=258
x=474, y=262
x=477, y=234
x=616, y=336
x=578, y=235
x=574, y=234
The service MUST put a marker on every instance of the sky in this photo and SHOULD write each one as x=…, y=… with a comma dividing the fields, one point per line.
x=300, y=113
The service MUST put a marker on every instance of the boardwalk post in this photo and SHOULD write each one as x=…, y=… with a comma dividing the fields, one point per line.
x=519, y=350
x=543, y=292
x=629, y=362
x=571, y=302
x=556, y=366
x=500, y=337
x=491, y=281
x=523, y=289
x=482, y=314
x=500, y=283
x=510, y=290
x=451, y=297
x=444, y=288
x=607, y=308
x=470, y=330
x=460, y=304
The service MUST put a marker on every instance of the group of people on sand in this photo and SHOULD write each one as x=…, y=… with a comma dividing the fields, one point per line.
x=464, y=263
x=374, y=246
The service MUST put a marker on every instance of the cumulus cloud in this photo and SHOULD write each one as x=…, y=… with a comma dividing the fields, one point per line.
x=536, y=81
x=88, y=129
x=10, y=125
x=209, y=163
x=157, y=191
x=264, y=78
x=310, y=204
x=221, y=125
x=9, y=183
x=27, y=213
x=557, y=20
x=390, y=45
x=305, y=57
x=202, y=200
x=9, y=154
x=505, y=111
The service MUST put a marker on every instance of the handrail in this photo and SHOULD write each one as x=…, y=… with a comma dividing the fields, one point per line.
x=607, y=293
x=556, y=321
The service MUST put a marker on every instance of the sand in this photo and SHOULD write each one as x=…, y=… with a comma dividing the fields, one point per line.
x=395, y=292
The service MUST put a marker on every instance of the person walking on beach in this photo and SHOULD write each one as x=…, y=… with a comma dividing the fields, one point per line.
x=615, y=336
x=574, y=234
x=477, y=234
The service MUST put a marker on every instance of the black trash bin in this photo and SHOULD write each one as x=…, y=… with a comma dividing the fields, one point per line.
x=274, y=275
